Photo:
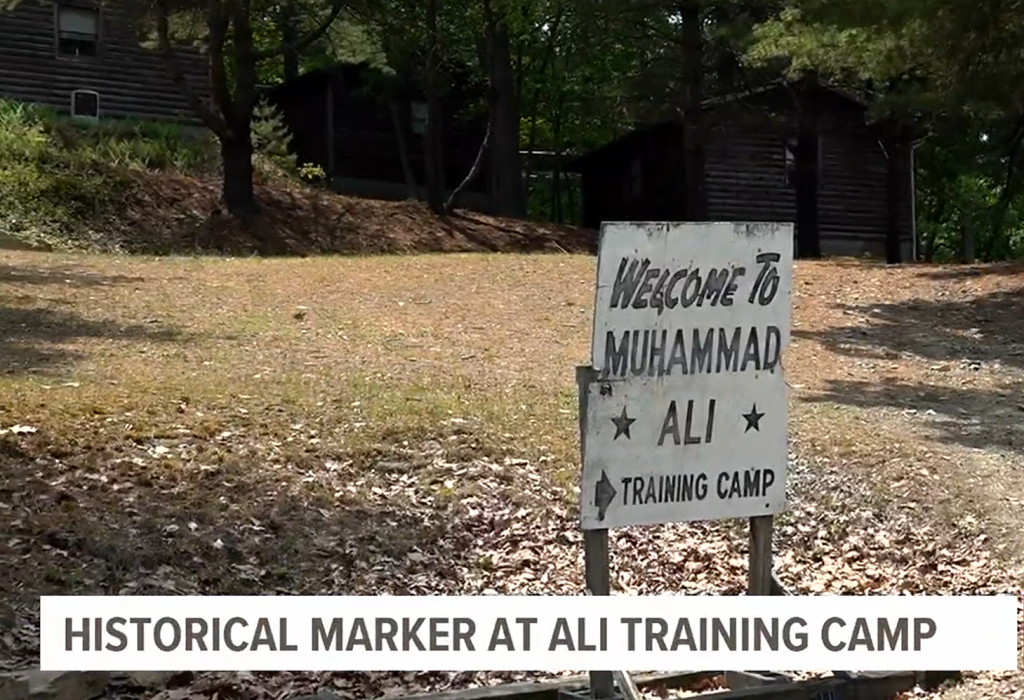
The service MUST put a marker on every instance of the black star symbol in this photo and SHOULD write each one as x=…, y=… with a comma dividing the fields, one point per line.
x=753, y=419
x=622, y=424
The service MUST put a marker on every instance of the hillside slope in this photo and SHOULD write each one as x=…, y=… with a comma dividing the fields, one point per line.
x=134, y=187
x=168, y=212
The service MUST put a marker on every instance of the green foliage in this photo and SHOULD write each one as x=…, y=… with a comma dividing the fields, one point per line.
x=350, y=39
x=57, y=176
x=953, y=66
x=960, y=184
x=586, y=71
x=271, y=141
x=312, y=173
x=271, y=138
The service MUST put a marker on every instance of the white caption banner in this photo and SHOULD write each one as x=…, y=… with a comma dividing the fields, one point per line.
x=489, y=633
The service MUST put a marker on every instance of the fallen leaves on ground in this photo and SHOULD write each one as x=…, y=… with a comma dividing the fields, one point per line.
x=416, y=521
x=386, y=426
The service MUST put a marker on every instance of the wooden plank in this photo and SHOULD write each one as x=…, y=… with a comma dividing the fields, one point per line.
x=875, y=687
x=551, y=690
x=759, y=579
x=842, y=686
x=737, y=680
x=595, y=542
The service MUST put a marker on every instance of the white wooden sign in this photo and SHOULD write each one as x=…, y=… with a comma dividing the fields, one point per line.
x=688, y=418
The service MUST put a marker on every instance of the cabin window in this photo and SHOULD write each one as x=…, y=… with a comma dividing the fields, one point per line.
x=78, y=31
x=790, y=172
x=419, y=117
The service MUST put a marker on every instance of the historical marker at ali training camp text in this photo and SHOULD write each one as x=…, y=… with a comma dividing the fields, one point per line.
x=688, y=418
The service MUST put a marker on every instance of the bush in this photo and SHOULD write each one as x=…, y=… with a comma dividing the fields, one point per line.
x=271, y=140
x=70, y=184
x=58, y=177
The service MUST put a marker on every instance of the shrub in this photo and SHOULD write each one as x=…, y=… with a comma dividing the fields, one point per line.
x=59, y=177
x=69, y=183
x=271, y=140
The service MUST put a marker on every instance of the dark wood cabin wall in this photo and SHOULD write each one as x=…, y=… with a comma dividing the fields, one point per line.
x=747, y=180
x=306, y=115
x=852, y=196
x=746, y=172
x=603, y=198
x=366, y=146
x=609, y=189
x=663, y=177
x=132, y=81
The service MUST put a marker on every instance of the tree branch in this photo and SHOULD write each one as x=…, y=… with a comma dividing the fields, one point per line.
x=245, y=63
x=302, y=44
x=214, y=121
x=453, y=199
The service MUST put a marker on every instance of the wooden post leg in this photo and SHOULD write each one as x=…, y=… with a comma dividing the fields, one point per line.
x=595, y=542
x=759, y=581
x=598, y=583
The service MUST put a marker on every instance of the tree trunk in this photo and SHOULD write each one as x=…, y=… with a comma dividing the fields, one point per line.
x=546, y=61
x=807, y=156
x=431, y=138
x=695, y=178
x=508, y=188
x=432, y=166
x=435, y=108
x=967, y=241
x=556, y=175
x=929, y=244
x=570, y=192
x=288, y=20
x=893, y=189
x=237, y=185
x=478, y=162
x=931, y=234
x=403, y=147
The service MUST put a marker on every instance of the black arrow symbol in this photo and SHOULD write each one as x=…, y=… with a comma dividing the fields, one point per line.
x=605, y=495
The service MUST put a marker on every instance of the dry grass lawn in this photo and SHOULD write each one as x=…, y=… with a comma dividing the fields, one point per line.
x=408, y=425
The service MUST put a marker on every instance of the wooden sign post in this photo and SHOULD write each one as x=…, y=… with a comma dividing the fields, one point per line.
x=683, y=409
x=595, y=543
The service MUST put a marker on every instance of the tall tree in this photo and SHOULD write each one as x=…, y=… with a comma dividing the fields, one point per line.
x=433, y=137
x=694, y=171
x=949, y=65
x=230, y=46
x=508, y=186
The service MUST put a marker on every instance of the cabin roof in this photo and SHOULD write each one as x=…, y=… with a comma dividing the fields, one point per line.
x=626, y=141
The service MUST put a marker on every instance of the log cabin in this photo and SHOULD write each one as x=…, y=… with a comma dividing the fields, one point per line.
x=345, y=119
x=85, y=58
x=865, y=186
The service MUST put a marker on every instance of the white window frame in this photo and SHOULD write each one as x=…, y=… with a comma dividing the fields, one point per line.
x=82, y=16
x=419, y=115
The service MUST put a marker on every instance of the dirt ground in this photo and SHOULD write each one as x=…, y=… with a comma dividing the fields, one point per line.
x=169, y=213
x=408, y=425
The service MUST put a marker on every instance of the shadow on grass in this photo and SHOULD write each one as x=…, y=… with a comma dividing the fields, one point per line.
x=984, y=329
x=980, y=419
x=109, y=513
x=956, y=335
x=506, y=239
x=34, y=339
x=17, y=274
x=962, y=272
